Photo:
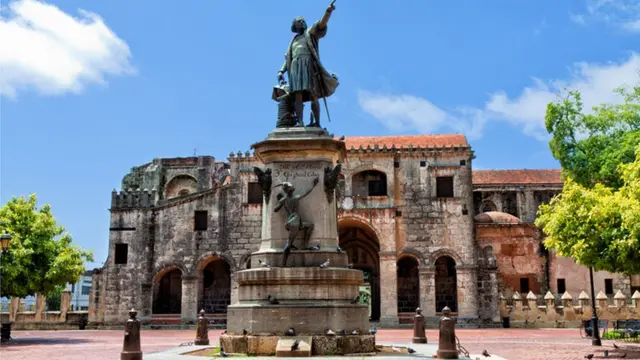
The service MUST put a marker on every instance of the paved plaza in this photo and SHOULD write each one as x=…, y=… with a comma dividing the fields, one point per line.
x=512, y=344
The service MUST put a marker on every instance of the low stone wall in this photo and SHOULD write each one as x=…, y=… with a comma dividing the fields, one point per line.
x=544, y=312
x=39, y=319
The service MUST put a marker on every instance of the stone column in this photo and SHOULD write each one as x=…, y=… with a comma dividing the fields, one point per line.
x=494, y=291
x=189, y=311
x=146, y=300
x=234, y=288
x=428, y=290
x=530, y=207
x=388, y=288
x=467, y=283
x=40, y=306
x=65, y=304
x=520, y=204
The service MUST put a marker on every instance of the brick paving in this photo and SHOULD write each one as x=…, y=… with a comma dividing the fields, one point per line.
x=540, y=344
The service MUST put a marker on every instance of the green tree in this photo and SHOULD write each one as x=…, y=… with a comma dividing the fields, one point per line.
x=54, y=299
x=591, y=146
x=41, y=256
x=597, y=226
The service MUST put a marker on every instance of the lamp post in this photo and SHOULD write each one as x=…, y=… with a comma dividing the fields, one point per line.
x=5, y=241
x=595, y=338
x=5, y=329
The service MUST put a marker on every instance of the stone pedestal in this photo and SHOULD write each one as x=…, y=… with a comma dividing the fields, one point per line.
x=308, y=298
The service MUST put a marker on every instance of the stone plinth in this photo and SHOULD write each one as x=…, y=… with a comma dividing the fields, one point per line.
x=299, y=155
x=321, y=345
x=305, y=297
x=283, y=348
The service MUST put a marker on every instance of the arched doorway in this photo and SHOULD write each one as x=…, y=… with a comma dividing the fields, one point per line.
x=215, y=286
x=408, y=285
x=167, y=292
x=362, y=248
x=446, y=287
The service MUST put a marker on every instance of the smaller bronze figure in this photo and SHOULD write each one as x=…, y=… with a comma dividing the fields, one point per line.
x=202, y=331
x=131, y=347
x=264, y=179
x=294, y=223
x=331, y=180
x=447, y=341
x=286, y=107
x=419, y=335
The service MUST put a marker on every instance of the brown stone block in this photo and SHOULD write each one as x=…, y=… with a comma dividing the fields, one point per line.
x=262, y=345
x=326, y=345
x=357, y=344
x=283, y=348
x=233, y=344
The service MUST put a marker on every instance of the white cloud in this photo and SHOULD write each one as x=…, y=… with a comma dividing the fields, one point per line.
x=624, y=14
x=52, y=52
x=401, y=112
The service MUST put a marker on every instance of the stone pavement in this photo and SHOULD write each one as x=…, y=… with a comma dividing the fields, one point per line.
x=513, y=344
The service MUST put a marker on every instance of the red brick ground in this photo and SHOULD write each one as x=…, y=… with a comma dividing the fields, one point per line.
x=512, y=344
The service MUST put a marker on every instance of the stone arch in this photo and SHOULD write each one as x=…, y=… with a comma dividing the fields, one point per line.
x=446, y=283
x=245, y=261
x=167, y=290
x=413, y=253
x=370, y=182
x=180, y=185
x=214, y=273
x=358, y=220
x=209, y=256
x=488, y=205
x=408, y=283
x=445, y=252
x=361, y=243
x=489, y=256
x=161, y=268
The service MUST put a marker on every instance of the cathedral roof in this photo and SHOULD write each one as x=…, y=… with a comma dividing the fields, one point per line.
x=517, y=177
x=495, y=217
x=404, y=141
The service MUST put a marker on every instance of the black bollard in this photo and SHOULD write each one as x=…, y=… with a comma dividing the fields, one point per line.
x=447, y=341
x=202, y=331
x=131, y=348
x=419, y=335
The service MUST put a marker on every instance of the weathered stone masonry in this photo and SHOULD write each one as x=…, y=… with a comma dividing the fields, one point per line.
x=412, y=215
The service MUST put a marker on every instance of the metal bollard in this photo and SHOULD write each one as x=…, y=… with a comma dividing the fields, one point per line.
x=419, y=335
x=447, y=341
x=131, y=348
x=202, y=331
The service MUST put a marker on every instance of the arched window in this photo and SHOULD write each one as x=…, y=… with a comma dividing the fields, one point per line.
x=369, y=183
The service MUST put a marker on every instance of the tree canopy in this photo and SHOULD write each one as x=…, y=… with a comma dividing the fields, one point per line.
x=590, y=146
x=41, y=255
x=597, y=226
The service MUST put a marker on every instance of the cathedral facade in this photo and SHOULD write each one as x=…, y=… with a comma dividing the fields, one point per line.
x=426, y=230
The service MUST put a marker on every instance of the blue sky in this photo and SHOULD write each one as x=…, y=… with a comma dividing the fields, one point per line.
x=91, y=88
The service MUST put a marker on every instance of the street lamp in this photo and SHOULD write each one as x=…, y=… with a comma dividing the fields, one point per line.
x=5, y=241
x=595, y=336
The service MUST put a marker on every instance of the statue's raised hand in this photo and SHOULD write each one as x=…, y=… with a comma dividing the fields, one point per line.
x=331, y=7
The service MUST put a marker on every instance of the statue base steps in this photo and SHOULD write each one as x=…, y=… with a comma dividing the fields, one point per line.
x=321, y=345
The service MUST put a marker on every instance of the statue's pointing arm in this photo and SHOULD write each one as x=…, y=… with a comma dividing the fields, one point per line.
x=327, y=14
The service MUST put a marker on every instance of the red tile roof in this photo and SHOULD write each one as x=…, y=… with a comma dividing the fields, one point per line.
x=524, y=176
x=422, y=141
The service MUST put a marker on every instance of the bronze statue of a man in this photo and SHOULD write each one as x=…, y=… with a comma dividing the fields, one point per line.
x=308, y=79
x=294, y=224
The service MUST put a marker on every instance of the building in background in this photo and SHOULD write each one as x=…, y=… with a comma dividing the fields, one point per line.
x=426, y=230
x=80, y=292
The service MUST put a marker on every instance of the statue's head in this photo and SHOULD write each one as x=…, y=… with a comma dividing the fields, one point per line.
x=298, y=25
x=288, y=187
